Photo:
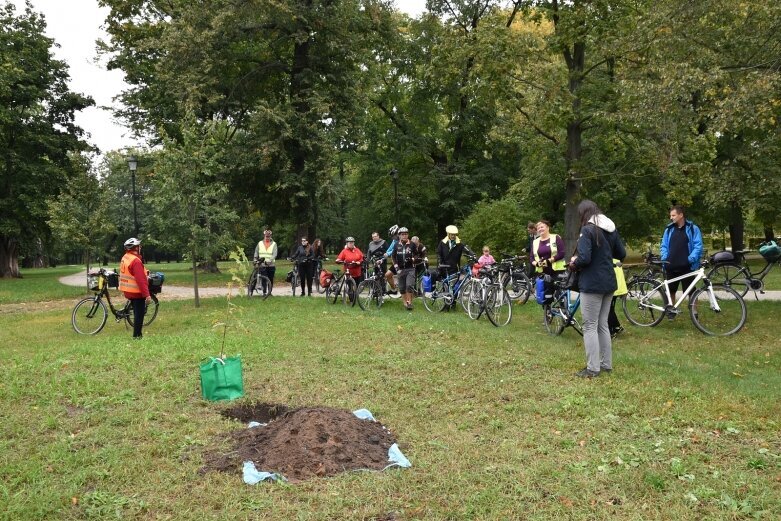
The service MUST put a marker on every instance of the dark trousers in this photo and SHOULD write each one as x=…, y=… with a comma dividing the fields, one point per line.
x=612, y=318
x=269, y=272
x=139, y=309
x=306, y=273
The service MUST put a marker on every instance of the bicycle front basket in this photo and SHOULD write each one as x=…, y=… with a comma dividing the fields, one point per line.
x=93, y=280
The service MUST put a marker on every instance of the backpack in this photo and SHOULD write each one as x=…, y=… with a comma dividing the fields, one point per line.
x=770, y=251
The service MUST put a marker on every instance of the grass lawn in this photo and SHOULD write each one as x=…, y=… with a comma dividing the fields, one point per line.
x=40, y=284
x=496, y=426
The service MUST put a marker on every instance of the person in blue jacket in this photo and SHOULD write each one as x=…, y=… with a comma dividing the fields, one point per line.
x=681, y=247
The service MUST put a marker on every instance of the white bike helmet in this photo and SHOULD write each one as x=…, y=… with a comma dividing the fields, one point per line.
x=403, y=229
x=132, y=243
x=350, y=239
x=393, y=229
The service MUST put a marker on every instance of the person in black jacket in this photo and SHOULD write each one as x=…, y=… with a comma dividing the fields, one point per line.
x=305, y=257
x=599, y=243
x=449, y=251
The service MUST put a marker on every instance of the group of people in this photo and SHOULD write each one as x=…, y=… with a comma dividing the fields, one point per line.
x=599, y=250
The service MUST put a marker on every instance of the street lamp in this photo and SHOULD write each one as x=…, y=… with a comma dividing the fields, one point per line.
x=132, y=164
x=395, y=176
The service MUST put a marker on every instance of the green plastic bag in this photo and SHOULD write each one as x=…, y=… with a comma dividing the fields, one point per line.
x=221, y=378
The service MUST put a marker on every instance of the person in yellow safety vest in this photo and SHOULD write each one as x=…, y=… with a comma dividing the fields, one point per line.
x=547, y=255
x=133, y=283
x=267, y=250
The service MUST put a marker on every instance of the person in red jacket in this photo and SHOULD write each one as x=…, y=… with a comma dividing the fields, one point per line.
x=133, y=283
x=352, y=258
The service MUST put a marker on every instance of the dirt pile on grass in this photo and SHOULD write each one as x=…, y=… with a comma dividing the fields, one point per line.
x=304, y=443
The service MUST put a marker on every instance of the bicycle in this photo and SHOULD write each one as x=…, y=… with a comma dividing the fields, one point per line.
x=258, y=282
x=343, y=286
x=448, y=289
x=372, y=289
x=560, y=311
x=652, y=267
x=488, y=296
x=318, y=268
x=90, y=314
x=294, y=276
x=512, y=276
x=715, y=309
x=734, y=272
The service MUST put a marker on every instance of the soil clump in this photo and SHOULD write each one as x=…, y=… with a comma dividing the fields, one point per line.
x=303, y=443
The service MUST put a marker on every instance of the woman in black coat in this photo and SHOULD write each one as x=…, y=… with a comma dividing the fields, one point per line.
x=305, y=257
x=599, y=243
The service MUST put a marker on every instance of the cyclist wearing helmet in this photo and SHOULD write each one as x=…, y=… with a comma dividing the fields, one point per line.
x=404, y=254
x=267, y=250
x=349, y=256
x=133, y=283
x=393, y=232
x=449, y=250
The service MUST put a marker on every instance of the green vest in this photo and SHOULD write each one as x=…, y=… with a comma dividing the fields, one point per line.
x=559, y=265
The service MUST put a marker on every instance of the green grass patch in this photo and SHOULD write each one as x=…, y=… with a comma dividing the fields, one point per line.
x=39, y=284
x=496, y=426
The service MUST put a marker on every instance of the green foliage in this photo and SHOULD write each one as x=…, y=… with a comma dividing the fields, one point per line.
x=37, y=132
x=499, y=224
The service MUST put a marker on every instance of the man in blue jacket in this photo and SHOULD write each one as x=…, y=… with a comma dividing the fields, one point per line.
x=681, y=248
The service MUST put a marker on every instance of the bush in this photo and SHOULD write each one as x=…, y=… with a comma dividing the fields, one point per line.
x=499, y=224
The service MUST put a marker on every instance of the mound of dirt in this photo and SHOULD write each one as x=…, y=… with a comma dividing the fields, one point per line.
x=304, y=443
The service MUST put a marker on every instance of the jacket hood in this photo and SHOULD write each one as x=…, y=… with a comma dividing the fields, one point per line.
x=377, y=243
x=604, y=222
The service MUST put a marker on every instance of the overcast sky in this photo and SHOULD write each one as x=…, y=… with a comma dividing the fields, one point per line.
x=76, y=25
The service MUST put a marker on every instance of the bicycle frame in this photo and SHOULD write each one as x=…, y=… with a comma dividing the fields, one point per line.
x=698, y=276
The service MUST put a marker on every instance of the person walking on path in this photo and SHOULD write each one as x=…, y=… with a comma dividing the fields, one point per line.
x=305, y=257
x=598, y=244
x=134, y=284
x=681, y=247
x=267, y=250
x=404, y=256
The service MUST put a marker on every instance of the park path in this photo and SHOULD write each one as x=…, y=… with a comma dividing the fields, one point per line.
x=182, y=292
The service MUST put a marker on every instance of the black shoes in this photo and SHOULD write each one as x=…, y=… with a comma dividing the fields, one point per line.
x=615, y=332
x=586, y=373
x=605, y=370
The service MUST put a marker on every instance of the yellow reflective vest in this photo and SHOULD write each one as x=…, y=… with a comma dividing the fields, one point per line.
x=559, y=265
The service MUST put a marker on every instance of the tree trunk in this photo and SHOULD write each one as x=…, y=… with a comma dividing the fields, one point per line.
x=9, y=258
x=736, y=226
x=768, y=231
x=195, y=279
x=575, y=61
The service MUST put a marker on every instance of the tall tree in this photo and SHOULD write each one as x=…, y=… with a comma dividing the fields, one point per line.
x=36, y=131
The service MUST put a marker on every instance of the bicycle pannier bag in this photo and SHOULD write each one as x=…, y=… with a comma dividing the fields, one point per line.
x=326, y=277
x=221, y=378
x=476, y=269
x=289, y=276
x=426, y=283
x=721, y=257
x=155, y=280
x=620, y=279
x=434, y=274
x=113, y=279
x=770, y=250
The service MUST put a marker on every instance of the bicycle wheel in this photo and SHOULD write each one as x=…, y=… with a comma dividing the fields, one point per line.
x=294, y=282
x=641, y=295
x=553, y=316
x=435, y=299
x=335, y=289
x=263, y=287
x=149, y=314
x=475, y=303
x=251, y=283
x=349, y=291
x=316, y=283
x=731, y=275
x=368, y=295
x=499, y=306
x=89, y=316
x=465, y=293
x=730, y=317
x=518, y=286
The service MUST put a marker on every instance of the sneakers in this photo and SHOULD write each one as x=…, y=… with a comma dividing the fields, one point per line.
x=615, y=332
x=586, y=373
x=408, y=306
x=605, y=370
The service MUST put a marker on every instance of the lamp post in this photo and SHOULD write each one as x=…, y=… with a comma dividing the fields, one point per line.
x=395, y=176
x=132, y=164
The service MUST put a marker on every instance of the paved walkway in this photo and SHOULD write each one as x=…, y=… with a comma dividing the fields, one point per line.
x=182, y=292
